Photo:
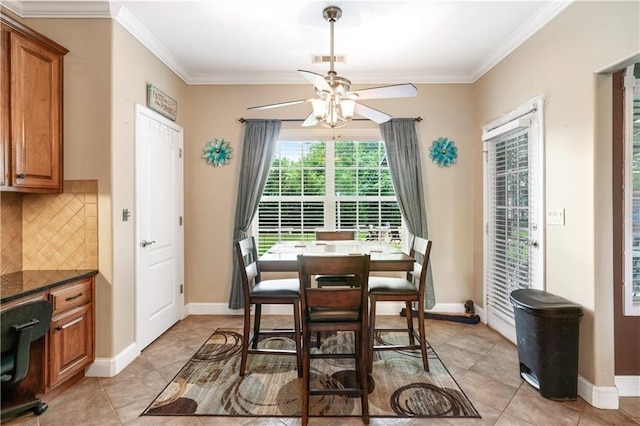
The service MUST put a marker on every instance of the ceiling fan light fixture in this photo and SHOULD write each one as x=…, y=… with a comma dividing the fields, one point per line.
x=332, y=112
x=347, y=106
x=319, y=108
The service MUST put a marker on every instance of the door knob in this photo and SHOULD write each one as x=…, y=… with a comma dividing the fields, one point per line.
x=145, y=243
x=533, y=243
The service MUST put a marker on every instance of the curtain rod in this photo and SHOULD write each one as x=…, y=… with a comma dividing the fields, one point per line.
x=242, y=119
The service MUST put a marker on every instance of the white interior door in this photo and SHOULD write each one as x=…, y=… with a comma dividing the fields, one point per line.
x=159, y=231
x=513, y=213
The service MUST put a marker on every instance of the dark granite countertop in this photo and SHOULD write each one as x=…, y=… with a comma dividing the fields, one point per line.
x=24, y=283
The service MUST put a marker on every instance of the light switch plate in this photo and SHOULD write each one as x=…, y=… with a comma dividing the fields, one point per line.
x=555, y=217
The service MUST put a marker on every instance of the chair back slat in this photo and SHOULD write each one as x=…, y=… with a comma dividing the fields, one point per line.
x=420, y=251
x=333, y=297
x=247, y=256
x=335, y=235
x=356, y=266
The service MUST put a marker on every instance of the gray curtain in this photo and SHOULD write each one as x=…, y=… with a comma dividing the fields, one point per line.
x=403, y=156
x=260, y=139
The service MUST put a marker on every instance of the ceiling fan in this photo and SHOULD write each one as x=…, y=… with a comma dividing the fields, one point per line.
x=336, y=104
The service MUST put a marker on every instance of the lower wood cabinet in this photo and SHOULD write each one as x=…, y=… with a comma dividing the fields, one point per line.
x=71, y=344
x=60, y=357
x=71, y=335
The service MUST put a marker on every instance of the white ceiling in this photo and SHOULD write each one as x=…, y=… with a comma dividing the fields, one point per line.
x=266, y=41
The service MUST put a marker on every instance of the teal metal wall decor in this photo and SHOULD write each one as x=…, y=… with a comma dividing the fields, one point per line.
x=217, y=152
x=443, y=152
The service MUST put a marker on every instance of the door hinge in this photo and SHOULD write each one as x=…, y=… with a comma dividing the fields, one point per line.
x=180, y=220
x=181, y=288
x=180, y=152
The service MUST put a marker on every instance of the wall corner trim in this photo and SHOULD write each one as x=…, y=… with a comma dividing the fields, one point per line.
x=109, y=367
x=604, y=397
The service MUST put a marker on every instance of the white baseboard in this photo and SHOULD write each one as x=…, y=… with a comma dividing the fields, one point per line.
x=109, y=367
x=212, y=309
x=603, y=397
x=628, y=385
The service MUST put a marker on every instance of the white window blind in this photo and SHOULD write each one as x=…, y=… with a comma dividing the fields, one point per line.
x=327, y=185
x=632, y=193
x=511, y=213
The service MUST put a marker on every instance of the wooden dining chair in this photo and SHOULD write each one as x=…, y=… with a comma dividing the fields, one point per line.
x=340, y=235
x=332, y=310
x=385, y=289
x=260, y=292
x=334, y=280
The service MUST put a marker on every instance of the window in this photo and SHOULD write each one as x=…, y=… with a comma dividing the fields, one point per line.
x=327, y=185
x=513, y=243
x=632, y=191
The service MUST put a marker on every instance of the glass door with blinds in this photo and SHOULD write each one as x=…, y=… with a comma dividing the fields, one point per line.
x=513, y=212
x=632, y=190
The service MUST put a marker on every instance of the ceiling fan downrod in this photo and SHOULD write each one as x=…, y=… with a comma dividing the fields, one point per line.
x=331, y=14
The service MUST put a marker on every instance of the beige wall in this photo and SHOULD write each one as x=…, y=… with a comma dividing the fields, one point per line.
x=447, y=110
x=561, y=62
x=133, y=67
x=87, y=137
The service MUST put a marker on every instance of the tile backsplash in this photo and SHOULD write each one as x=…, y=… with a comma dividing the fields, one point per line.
x=10, y=232
x=59, y=231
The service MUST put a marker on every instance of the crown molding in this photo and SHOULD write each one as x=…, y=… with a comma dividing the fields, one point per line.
x=522, y=34
x=118, y=11
x=59, y=9
x=124, y=17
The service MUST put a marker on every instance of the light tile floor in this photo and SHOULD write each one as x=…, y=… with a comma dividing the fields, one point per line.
x=483, y=362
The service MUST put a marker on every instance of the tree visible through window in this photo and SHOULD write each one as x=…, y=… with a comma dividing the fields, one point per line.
x=328, y=185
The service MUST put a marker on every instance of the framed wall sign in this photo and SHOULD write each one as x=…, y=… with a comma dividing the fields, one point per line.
x=160, y=102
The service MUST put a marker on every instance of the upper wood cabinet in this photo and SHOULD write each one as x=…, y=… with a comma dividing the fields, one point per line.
x=31, y=118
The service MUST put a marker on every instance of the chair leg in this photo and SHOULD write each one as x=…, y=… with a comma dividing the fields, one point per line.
x=409, y=316
x=298, y=335
x=423, y=337
x=306, y=367
x=245, y=338
x=256, y=326
x=372, y=328
x=363, y=375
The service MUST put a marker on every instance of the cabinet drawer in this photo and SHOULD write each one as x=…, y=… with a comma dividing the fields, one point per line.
x=67, y=297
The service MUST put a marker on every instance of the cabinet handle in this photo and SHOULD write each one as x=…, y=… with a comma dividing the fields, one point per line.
x=69, y=324
x=72, y=297
x=20, y=175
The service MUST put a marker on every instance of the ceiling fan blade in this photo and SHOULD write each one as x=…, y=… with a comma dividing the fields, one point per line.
x=394, y=91
x=371, y=113
x=281, y=104
x=317, y=80
x=310, y=121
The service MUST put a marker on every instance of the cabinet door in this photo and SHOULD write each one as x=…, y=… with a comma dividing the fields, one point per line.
x=5, y=140
x=36, y=115
x=71, y=344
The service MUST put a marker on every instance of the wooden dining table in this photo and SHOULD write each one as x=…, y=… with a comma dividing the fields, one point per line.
x=283, y=256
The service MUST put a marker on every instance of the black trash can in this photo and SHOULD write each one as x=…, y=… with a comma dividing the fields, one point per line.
x=547, y=331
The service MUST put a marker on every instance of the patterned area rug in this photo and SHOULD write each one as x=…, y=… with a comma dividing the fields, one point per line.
x=209, y=384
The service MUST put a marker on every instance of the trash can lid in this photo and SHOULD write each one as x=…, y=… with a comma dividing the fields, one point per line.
x=541, y=303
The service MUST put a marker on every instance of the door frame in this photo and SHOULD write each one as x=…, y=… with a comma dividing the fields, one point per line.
x=534, y=106
x=142, y=110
